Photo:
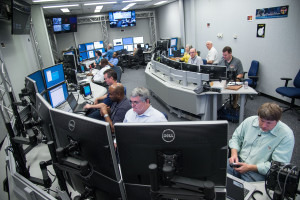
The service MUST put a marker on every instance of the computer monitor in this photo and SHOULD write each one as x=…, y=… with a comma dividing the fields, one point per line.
x=182, y=51
x=128, y=47
x=127, y=41
x=170, y=52
x=138, y=40
x=89, y=46
x=98, y=45
x=38, y=78
x=42, y=109
x=189, y=67
x=53, y=75
x=90, y=54
x=31, y=88
x=118, y=42
x=173, y=42
x=69, y=61
x=69, y=53
x=196, y=150
x=81, y=47
x=83, y=55
x=174, y=64
x=146, y=46
x=118, y=48
x=215, y=72
x=102, y=50
x=94, y=145
x=162, y=45
x=58, y=95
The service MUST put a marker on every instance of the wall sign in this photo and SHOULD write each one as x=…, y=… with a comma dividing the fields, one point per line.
x=274, y=12
x=261, y=28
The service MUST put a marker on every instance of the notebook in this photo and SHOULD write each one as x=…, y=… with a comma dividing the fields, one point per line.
x=74, y=105
x=238, y=189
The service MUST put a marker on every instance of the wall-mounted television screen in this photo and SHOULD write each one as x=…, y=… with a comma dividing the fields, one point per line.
x=21, y=17
x=64, y=24
x=122, y=19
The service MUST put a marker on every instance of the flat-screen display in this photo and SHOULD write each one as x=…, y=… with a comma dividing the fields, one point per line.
x=38, y=78
x=89, y=46
x=64, y=24
x=122, y=19
x=83, y=55
x=101, y=50
x=128, y=40
x=21, y=17
x=58, y=95
x=54, y=75
x=81, y=47
x=118, y=48
x=173, y=42
x=128, y=47
x=138, y=40
x=90, y=54
x=118, y=42
x=98, y=45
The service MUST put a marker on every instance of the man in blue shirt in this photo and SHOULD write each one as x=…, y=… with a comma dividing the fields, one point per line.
x=110, y=51
x=114, y=60
x=257, y=142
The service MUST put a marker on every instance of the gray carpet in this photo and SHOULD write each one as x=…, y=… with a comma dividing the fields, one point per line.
x=132, y=78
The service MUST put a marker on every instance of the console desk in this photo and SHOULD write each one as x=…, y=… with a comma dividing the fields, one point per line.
x=176, y=89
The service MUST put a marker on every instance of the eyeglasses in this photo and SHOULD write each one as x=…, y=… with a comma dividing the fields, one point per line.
x=135, y=102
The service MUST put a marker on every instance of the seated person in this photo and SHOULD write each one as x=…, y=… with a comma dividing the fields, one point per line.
x=110, y=51
x=97, y=59
x=114, y=60
x=138, y=52
x=258, y=141
x=186, y=55
x=212, y=55
x=99, y=76
x=141, y=110
x=119, y=107
x=195, y=59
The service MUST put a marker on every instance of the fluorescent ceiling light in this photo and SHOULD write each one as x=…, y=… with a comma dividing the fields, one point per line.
x=61, y=6
x=133, y=1
x=100, y=3
x=37, y=1
x=65, y=10
x=98, y=9
x=161, y=2
x=128, y=6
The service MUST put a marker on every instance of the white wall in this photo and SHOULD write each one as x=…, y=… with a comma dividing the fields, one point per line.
x=278, y=52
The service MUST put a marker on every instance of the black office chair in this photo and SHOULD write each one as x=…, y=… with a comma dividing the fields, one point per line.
x=291, y=92
x=118, y=70
x=138, y=61
x=252, y=75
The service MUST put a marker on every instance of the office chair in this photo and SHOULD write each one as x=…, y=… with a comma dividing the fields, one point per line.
x=291, y=92
x=198, y=52
x=118, y=70
x=204, y=61
x=252, y=75
x=138, y=61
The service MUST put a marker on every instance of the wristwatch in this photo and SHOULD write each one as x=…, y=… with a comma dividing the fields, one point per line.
x=106, y=115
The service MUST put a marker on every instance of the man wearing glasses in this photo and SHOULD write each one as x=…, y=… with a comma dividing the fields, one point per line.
x=141, y=110
x=194, y=59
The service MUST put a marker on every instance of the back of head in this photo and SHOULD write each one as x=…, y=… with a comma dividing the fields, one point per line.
x=111, y=73
x=270, y=111
x=104, y=62
x=228, y=49
x=110, y=46
x=138, y=46
x=119, y=89
x=98, y=53
x=141, y=92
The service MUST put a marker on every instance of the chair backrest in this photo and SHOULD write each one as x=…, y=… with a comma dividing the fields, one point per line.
x=253, y=71
x=297, y=80
x=118, y=70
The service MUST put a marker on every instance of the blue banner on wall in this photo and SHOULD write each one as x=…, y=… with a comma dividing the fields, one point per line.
x=274, y=12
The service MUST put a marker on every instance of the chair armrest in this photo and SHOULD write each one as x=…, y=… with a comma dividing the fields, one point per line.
x=253, y=77
x=286, y=81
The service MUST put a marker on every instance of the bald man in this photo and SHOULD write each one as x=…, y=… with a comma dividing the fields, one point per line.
x=116, y=113
x=195, y=59
x=212, y=56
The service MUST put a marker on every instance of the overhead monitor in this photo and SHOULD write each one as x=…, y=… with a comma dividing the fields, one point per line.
x=127, y=40
x=189, y=67
x=83, y=55
x=43, y=111
x=118, y=48
x=98, y=45
x=118, y=42
x=173, y=42
x=90, y=54
x=128, y=47
x=122, y=19
x=53, y=75
x=38, y=78
x=215, y=72
x=32, y=89
x=81, y=47
x=58, y=95
x=137, y=40
x=89, y=46
x=94, y=148
x=195, y=150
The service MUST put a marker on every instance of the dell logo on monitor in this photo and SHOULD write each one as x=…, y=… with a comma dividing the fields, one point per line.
x=71, y=125
x=168, y=135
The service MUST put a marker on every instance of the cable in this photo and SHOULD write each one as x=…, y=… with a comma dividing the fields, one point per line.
x=283, y=193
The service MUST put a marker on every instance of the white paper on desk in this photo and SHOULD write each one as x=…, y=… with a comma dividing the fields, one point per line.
x=235, y=83
x=218, y=84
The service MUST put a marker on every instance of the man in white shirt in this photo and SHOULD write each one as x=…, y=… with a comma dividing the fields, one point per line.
x=194, y=59
x=141, y=110
x=212, y=56
x=99, y=76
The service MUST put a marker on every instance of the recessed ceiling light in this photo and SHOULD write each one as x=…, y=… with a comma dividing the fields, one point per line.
x=37, y=1
x=161, y=2
x=65, y=10
x=98, y=9
x=61, y=6
x=100, y=3
x=128, y=6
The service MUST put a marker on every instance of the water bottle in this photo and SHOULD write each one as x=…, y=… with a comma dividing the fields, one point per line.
x=246, y=84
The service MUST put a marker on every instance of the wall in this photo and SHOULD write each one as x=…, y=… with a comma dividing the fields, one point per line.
x=277, y=52
x=18, y=56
